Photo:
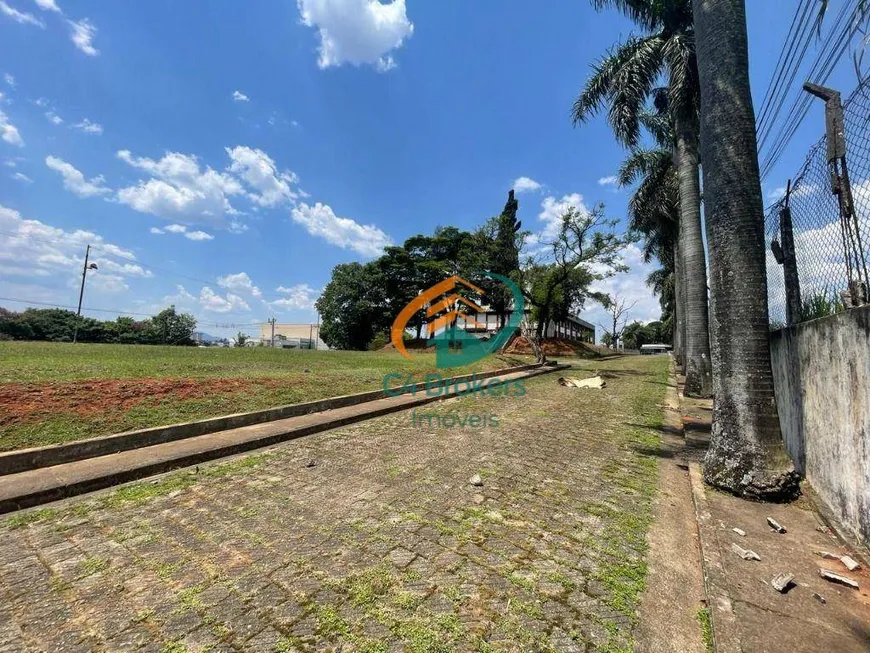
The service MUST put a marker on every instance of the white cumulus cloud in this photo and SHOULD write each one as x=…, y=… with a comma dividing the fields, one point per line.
x=74, y=181
x=32, y=249
x=211, y=301
x=525, y=184
x=258, y=170
x=321, y=221
x=82, y=35
x=630, y=286
x=124, y=269
x=180, y=229
x=20, y=16
x=300, y=297
x=357, y=31
x=89, y=127
x=9, y=78
x=53, y=118
x=552, y=210
x=240, y=282
x=180, y=189
x=9, y=132
x=611, y=180
x=238, y=96
x=48, y=5
x=20, y=176
x=198, y=235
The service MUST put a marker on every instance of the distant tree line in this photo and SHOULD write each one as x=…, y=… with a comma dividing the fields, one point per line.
x=637, y=334
x=168, y=327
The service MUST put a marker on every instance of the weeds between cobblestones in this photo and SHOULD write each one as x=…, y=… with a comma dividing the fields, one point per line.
x=383, y=546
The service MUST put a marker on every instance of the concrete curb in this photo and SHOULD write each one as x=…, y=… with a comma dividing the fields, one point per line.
x=723, y=621
x=39, y=486
x=37, y=457
x=722, y=617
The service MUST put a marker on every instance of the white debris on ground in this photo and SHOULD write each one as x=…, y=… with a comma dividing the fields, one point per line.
x=775, y=525
x=595, y=382
x=836, y=578
x=746, y=554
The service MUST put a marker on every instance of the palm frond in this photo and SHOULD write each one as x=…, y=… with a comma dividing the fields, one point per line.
x=659, y=126
x=684, y=86
x=642, y=163
x=602, y=84
x=632, y=86
x=640, y=12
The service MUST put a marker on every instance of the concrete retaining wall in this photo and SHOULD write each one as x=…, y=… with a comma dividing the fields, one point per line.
x=822, y=376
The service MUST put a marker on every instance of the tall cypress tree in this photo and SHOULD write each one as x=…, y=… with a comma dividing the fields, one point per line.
x=505, y=258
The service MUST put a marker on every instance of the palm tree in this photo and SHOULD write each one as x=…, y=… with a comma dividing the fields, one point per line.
x=661, y=281
x=746, y=454
x=654, y=211
x=625, y=79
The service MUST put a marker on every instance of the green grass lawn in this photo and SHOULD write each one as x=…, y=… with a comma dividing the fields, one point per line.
x=55, y=392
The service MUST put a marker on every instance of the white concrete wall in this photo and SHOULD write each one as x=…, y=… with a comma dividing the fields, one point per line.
x=822, y=377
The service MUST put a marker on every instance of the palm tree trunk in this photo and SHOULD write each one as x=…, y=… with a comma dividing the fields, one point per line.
x=746, y=454
x=680, y=308
x=696, y=349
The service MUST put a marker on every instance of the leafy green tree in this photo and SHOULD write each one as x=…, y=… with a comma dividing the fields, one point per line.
x=654, y=214
x=13, y=327
x=634, y=335
x=637, y=334
x=57, y=325
x=746, y=455
x=353, y=307
x=400, y=274
x=169, y=327
x=585, y=250
x=128, y=331
x=242, y=339
x=625, y=80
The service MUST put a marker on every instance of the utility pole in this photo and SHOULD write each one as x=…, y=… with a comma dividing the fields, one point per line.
x=85, y=268
x=272, y=322
x=853, y=249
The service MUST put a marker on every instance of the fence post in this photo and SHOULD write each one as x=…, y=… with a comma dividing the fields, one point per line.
x=789, y=264
x=853, y=248
x=789, y=269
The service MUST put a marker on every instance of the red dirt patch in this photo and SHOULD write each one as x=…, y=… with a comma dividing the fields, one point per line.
x=553, y=347
x=20, y=401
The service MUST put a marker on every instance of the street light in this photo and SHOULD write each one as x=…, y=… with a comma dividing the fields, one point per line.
x=87, y=266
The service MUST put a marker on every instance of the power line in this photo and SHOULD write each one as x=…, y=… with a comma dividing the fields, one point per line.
x=799, y=110
x=824, y=64
x=775, y=85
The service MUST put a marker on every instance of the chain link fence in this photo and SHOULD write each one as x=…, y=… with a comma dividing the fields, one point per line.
x=821, y=267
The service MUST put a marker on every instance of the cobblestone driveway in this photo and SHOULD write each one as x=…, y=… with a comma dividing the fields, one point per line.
x=381, y=545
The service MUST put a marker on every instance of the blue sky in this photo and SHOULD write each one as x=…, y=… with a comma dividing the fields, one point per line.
x=224, y=156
